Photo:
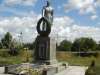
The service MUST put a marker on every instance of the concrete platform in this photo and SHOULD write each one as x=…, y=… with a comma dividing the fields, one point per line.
x=73, y=70
x=2, y=70
x=70, y=70
x=5, y=74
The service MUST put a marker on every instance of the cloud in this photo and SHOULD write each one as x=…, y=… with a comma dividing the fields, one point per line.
x=61, y=25
x=1, y=32
x=98, y=2
x=93, y=17
x=8, y=9
x=15, y=25
x=85, y=31
x=64, y=27
x=82, y=6
x=22, y=2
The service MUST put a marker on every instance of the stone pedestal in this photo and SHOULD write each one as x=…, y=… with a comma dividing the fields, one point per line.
x=45, y=51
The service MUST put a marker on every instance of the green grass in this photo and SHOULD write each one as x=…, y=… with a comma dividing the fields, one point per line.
x=10, y=60
x=7, y=59
x=76, y=60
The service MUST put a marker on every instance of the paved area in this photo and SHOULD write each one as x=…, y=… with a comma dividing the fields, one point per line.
x=2, y=70
x=5, y=74
x=73, y=70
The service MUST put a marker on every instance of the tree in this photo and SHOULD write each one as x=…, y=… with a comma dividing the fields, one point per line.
x=65, y=45
x=84, y=44
x=0, y=45
x=75, y=45
x=89, y=44
x=30, y=46
x=98, y=46
x=6, y=41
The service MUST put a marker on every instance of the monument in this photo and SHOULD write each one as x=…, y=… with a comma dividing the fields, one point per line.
x=45, y=50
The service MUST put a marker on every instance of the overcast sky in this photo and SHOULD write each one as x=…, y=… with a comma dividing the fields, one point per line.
x=72, y=18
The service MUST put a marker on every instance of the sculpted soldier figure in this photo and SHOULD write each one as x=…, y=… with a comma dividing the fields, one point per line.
x=47, y=12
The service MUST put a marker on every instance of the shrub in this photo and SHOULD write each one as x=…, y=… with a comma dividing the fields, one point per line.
x=13, y=51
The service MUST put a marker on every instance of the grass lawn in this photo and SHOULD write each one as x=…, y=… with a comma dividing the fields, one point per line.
x=7, y=59
x=10, y=60
x=76, y=60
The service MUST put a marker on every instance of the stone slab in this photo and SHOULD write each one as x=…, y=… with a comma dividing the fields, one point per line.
x=2, y=70
x=73, y=70
x=49, y=69
x=5, y=74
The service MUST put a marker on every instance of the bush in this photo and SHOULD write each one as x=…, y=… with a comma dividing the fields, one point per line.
x=13, y=51
x=90, y=71
x=95, y=54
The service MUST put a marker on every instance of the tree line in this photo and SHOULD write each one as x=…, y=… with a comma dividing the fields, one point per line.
x=8, y=42
x=12, y=46
x=80, y=44
x=83, y=44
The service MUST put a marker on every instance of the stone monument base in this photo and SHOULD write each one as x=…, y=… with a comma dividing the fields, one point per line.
x=47, y=62
x=43, y=69
x=45, y=50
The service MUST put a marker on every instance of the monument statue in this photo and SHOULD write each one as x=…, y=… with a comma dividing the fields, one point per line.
x=45, y=46
x=47, y=12
x=45, y=23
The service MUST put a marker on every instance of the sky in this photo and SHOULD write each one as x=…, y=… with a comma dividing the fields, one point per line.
x=72, y=18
